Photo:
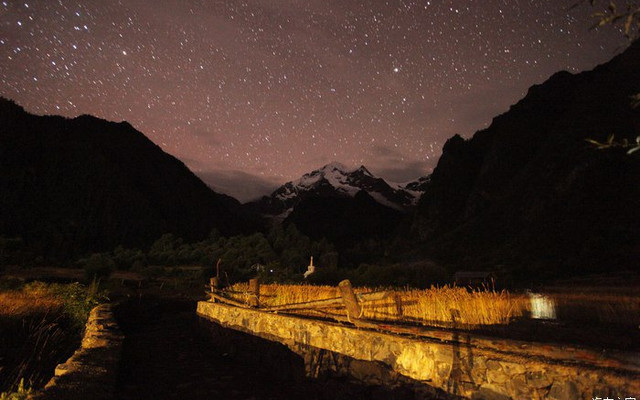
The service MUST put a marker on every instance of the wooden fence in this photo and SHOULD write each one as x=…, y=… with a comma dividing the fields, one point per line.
x=352, y=304
x=349, y=301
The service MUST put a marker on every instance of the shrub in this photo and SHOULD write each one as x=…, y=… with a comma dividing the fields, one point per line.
x=98, y=265
x=77, y=299
x=21, y=393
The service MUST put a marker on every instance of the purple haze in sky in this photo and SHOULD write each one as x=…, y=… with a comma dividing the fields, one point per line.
x=250, y=94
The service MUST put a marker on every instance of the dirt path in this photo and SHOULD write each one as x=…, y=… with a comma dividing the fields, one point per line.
x=169, y=353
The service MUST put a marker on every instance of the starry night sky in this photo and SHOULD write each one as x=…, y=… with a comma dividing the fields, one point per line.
x=250, y=94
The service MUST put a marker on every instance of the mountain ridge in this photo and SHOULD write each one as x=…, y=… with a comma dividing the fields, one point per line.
x=74, y=185
x=529, y=193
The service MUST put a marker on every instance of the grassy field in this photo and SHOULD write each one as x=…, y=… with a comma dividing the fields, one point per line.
x=40, y=326
x=19, y=304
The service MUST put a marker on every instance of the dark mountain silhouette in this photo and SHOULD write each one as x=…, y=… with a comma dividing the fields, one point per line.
x=69, y=186
x=353, y=209
x=358, y=226
x=530, y=194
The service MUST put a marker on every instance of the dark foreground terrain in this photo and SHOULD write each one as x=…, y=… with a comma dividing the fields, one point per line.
x=170, y=353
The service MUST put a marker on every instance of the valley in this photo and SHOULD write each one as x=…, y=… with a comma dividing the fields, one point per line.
x=511, y=270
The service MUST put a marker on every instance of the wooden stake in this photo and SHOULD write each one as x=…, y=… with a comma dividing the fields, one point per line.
x=350, y=301
x=214, y=283
x=254, y=292
x=398, y=302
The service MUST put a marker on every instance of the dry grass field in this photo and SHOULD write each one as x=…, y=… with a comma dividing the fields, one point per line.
x=444, y=306
x=456, y=306
x=17, y=304
x=40, y=326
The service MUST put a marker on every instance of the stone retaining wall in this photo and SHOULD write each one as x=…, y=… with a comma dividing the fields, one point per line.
x=459, y=365
x=90, y=373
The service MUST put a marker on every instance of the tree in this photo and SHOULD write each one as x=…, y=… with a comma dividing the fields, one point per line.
x=625, y=16
x=164, y=250
x=98, y=265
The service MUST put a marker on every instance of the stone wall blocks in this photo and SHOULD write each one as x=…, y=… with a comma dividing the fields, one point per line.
x=517, y=385
x=415, y=363
x=496, y=376
x=92, y=367
x=473, y=372
x=443, y=354
x=443, y=369
x=566, y=390
x=538, y=379
x=479, y=361
x=491, y=392
x=467, y=389
x=479, y=374
x=512, y=369
x=373, y=372
x=494, y=365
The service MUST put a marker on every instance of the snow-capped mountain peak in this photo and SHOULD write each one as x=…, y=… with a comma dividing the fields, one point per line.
x=337, y=180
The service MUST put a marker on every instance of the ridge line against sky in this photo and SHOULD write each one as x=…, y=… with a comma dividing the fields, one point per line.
x=251, y=94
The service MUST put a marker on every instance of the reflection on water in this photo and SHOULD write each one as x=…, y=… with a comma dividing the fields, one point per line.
x=542, y=307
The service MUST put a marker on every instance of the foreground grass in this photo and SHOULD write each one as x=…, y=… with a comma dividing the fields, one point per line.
x=40, y=326
x=23, y=303
x=445, y=306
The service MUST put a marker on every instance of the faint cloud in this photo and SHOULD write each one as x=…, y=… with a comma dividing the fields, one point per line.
x=206, y=137
x=403, y=171
x=390, y=165
x=243, y=186
x=385, y=151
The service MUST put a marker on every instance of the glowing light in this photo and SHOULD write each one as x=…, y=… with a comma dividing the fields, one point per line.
x=542, y=307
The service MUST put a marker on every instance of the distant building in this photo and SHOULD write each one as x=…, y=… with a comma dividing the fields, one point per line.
x=474, y=278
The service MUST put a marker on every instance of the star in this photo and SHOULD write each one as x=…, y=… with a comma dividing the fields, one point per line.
x=276, y=90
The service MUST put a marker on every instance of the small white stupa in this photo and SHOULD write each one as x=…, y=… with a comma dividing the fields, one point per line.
x=310, y=268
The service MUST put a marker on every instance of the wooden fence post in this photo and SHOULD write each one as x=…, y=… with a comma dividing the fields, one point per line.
x=214, y=283
x=350, y=301
x=398, y=302
x=254, y=292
